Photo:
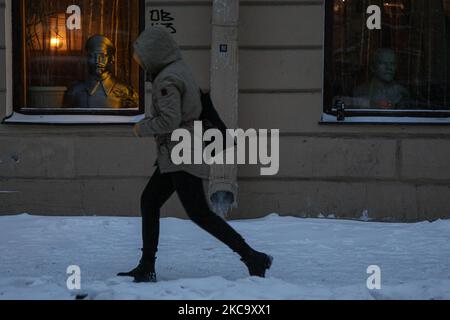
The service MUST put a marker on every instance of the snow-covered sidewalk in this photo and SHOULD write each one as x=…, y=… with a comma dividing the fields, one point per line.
x=314, y=259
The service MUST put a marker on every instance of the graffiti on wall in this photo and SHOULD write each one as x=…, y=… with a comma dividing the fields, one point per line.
x=161, y=17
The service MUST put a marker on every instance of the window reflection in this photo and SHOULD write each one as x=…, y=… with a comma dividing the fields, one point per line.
x=53, y=69
x=403, y=66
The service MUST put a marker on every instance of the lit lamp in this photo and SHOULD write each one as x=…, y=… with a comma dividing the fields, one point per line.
x=56, y=43
x=58, y=33
x=48, y=39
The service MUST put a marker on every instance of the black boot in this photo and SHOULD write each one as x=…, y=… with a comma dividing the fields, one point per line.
x=257, y=263
x=144, y=272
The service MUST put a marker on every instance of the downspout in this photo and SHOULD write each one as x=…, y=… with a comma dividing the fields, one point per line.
x=225, y=59
x=223, y=188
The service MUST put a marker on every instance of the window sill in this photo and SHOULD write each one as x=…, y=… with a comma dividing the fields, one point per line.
x=18, y=118
x=330, y=119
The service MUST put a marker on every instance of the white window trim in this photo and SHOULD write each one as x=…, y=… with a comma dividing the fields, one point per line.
x=19, y=118
x=331, y=119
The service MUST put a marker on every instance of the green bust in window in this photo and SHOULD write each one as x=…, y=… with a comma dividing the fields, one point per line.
x=382, y=92
x=101, y=90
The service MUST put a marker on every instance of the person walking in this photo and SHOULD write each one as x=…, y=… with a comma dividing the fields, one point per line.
x=177, y=105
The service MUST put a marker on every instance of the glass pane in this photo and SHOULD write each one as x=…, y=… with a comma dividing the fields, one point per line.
x=80, y=65
x=405, y=65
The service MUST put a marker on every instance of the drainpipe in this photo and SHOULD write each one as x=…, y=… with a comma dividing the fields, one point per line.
x=225, y=60
x=223, y=188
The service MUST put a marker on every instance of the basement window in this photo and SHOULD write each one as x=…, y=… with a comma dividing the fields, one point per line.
x=75, y=58
x=387, y=61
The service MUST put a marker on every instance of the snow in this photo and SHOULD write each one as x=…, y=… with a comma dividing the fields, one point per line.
x=314, y=259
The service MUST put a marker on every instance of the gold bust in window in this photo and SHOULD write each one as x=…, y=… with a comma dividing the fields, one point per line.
x=101, y=90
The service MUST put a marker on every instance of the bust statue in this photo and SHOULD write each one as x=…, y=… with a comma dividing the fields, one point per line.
x=382, y=91
x=101, y=90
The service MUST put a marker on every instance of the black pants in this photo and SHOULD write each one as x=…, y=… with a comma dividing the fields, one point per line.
x=191, y=192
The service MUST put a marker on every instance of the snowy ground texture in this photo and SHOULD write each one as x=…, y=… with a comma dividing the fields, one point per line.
x=314, y=259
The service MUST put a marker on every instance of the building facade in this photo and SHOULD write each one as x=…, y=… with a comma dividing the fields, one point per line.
x=296, y=63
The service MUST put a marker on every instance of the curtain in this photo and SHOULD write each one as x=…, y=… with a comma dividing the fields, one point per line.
x=55, y=55
x=417, y=30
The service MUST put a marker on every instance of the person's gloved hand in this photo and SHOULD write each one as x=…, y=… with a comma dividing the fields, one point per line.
x=136, y=131
x=222, y=202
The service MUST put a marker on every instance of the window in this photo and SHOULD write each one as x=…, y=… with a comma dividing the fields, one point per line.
x=399, y=70
x=76, y=57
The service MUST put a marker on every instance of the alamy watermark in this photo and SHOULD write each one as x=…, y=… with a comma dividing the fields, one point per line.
x=374, y=280
x=74, y=279
x=231, y=150
x=374, y=20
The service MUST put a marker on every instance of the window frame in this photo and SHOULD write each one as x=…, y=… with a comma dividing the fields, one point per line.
x=18, y=90
x=365, y=116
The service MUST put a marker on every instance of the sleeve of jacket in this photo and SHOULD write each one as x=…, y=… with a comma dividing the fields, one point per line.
x=169, y=92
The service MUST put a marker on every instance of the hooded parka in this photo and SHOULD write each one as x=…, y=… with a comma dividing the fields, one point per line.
x=176, y=104
x=176, y=101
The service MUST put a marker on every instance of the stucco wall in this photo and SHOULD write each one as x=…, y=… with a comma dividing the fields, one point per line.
x=394, y=172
